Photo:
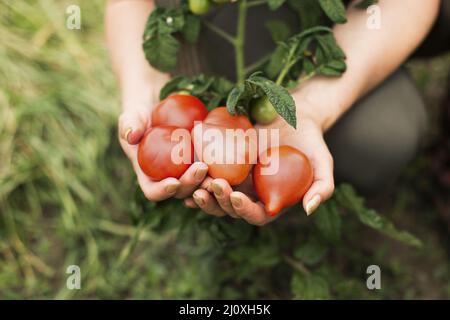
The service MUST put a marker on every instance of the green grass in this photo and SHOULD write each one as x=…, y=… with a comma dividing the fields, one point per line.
x=66, y=189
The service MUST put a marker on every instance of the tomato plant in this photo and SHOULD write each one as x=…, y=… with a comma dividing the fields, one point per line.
x=179, y=110
x=162, y=153
x=286, y=186
x=233, y=145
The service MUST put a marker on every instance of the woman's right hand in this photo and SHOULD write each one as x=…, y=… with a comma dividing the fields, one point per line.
x=133, y=123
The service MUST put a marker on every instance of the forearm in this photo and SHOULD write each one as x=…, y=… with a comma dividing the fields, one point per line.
x=372, y=55
x=124, y=22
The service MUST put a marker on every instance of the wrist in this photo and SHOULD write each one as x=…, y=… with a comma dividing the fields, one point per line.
x=137, y=91
x=318, y=100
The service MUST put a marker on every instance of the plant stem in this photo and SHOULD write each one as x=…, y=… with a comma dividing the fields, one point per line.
x=297, y=265
x=256, y=3
x=290, y=61
x=220, y=33
x=239, y=42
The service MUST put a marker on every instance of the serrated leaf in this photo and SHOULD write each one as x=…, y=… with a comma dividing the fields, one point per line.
x=234, y=97
x=275, y=4
x=211, y=90
x=278, y=96
x=309, y=287
x=160, y=47
x=334, y=9
x=278, y=29
x=162, y=51
x=347, y=197
x=309, y=11
x=171, y=86
x=312, y=252
x=364, y=4
x=328, y=221
x=277, y=60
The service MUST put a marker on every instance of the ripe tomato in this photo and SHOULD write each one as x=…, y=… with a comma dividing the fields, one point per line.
x=288, y=184
x=179, y=110
x=229, y=155
x=262, y=111
x=199, y=7
x=165, y=151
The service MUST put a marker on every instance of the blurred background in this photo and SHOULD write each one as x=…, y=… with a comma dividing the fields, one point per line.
x=66, y=191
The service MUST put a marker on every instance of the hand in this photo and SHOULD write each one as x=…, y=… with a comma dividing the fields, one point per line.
x=309, y=139
x=133, y=123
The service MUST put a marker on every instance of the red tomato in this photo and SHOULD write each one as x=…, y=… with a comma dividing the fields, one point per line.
x=165, y=152
x=237, y=159
x=288, y=184
x=179, y=110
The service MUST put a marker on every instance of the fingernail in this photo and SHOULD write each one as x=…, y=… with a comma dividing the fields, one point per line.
x=199, y=200
x=313, y=204
x=127, y=133
x=200, y=173
x=235, y=201
x=217, y=189
x=171, y=188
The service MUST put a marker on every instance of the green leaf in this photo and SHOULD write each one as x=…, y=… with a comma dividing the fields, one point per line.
x=162, y=52
x=364, y=4
x=275, y=4
x=328, y=221
x=211, y=90
x=234, y=97
x=334, y=9
x=278, y=96
x=278, y=29
x=171, y=86
x=347, y=197
x=160, y=47
x=277, y=61
x=191, y=28
x=309, y=287
x=309, y=11
x=312, y=252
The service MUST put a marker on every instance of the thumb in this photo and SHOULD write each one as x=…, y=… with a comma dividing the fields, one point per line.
x=132, y=126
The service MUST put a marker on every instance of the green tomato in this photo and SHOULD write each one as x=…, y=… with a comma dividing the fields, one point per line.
x=199, y=7
x=262, y=111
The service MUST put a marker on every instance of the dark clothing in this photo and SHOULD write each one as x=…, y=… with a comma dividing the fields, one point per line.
x=377, y=137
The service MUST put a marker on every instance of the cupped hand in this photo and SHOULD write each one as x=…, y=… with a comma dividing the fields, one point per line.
x=133, y=123
x=242, y=202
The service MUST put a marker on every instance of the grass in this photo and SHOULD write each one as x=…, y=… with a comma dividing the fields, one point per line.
x=66, y=188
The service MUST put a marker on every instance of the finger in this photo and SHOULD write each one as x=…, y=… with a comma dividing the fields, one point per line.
x=222, y=191
x=132, y=127
x=158, y=190
x=252, y=212
x=154, y=190
x=191, y=179
x=190, y=203
x=207, y=203
x=322, y=187
x=206, y=184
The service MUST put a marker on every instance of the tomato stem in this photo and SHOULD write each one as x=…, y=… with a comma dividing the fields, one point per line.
x=225, y=35
x=296, y=265
x=239, y=43
x=256, y=3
